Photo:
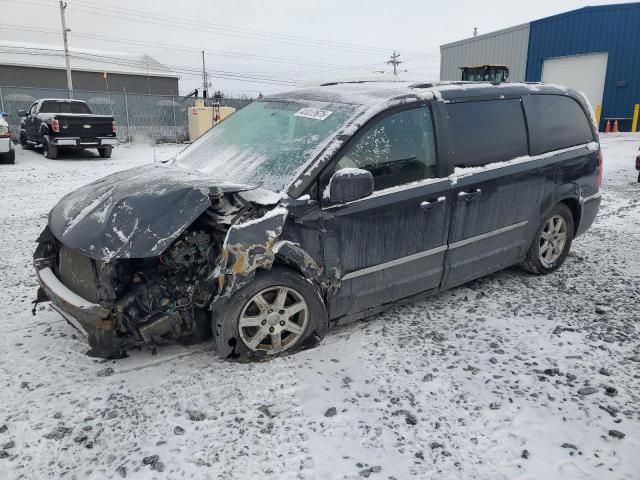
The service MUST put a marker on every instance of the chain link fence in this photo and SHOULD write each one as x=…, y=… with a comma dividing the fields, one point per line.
x=162, y=118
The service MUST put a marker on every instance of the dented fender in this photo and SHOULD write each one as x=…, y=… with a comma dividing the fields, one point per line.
x=256, y=244
x=293, y=254
x=247, y=247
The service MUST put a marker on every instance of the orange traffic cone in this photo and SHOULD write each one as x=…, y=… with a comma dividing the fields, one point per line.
x=607, y=129
x=615, y=127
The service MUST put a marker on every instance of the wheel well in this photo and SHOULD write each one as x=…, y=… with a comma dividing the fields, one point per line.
x=574, y=206
x=282, y=263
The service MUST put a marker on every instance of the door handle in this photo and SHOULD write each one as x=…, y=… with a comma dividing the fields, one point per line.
x=429, y=204
x=470, y=195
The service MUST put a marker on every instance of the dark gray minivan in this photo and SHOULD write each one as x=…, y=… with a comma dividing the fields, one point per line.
x=321, y=205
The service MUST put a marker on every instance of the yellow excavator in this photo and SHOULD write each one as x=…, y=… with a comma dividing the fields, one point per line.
x=485, y=73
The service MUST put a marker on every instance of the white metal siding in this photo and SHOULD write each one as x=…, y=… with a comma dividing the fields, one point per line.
x=503, y=47
x=583, y=72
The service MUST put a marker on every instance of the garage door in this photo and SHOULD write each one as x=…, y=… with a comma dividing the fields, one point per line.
x=582, y=72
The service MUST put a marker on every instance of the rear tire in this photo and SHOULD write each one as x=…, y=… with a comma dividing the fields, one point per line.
x=105, y=152
x=49, y=151
x=288, y=316
x=552, y=242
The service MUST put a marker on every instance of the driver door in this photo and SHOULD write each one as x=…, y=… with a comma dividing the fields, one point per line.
x=30, y=122
x=392, y=243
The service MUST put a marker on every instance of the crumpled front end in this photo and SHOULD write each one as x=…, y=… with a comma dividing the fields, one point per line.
x=124, y=302
x=134, y=264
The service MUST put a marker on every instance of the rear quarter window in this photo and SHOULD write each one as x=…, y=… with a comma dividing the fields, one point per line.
x=487, y=131
x=555, y=122
x=64, y=107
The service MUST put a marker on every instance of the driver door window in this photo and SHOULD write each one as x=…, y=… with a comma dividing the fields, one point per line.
x=397, y=149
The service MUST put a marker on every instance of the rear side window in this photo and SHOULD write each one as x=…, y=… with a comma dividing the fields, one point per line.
x=555, y=122
x=487, y=131
x=64, y=107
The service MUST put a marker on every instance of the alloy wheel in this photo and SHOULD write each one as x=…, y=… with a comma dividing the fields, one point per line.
x=553, y=239
x=273, y=320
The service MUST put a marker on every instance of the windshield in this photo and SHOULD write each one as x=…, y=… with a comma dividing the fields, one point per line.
x=267, y=142
x=55, y=106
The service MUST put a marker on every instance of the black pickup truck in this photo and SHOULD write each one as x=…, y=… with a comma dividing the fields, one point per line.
x=52, y=123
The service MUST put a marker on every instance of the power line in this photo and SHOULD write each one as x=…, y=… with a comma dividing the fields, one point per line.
x=183, y=48
x=251, y=33
x=212, y=28
x=213, y=52
x=187, y=70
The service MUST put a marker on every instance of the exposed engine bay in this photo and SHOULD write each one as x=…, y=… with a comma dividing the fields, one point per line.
x=154, y=300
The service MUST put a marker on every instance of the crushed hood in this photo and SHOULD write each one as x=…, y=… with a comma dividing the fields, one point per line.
x=136, y=213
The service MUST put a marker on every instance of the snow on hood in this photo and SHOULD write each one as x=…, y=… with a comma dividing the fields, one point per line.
x=136, y=213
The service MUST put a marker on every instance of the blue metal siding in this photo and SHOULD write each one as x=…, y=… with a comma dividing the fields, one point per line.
x=611, y=28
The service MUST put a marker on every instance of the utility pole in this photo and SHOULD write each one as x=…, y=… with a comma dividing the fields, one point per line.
x=65, y=31
x=204, y=78
x=395, y=62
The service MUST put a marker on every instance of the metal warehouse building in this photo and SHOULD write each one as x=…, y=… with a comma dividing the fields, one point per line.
x=43, y=66
x=593, y=49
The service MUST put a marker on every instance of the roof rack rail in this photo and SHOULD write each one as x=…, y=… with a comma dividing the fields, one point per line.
x=347, y=79
x=436, y=84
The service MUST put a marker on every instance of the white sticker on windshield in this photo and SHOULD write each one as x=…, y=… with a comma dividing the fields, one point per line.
x=314, y=113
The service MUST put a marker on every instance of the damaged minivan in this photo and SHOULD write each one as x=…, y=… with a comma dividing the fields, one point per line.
x=322, y=205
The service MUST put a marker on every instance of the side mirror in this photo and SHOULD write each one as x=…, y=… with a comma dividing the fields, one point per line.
x=22, y=113
x=350, y=184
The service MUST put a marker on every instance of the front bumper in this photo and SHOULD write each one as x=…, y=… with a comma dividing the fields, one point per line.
x=92, y=320
x=78, y=142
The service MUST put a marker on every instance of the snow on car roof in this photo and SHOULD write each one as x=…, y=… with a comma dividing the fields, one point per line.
x=371, y=93
x=40, y=55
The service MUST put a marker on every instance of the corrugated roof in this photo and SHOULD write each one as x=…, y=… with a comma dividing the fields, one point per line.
x=588, y=9
x=485, y=35
x=85, y=60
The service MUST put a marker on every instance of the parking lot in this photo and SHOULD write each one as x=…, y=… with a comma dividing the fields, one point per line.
x=510, y=376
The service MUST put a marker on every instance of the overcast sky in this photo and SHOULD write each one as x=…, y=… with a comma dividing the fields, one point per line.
x=346, y=33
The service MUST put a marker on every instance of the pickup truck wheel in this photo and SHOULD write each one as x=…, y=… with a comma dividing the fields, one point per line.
x=49, y=151
x=105, y=152
x=23, y=142
x=279, y=311
x=552, y=242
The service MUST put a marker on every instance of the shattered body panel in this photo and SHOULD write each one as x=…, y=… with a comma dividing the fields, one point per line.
x=275, y=237
x=249, y=246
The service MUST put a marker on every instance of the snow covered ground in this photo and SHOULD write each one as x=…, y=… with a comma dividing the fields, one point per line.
x=512, y=376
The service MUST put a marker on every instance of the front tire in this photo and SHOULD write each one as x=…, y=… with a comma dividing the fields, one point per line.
x=552, y=242
x=49, y=151
x=278, y=312
x=23, y=142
